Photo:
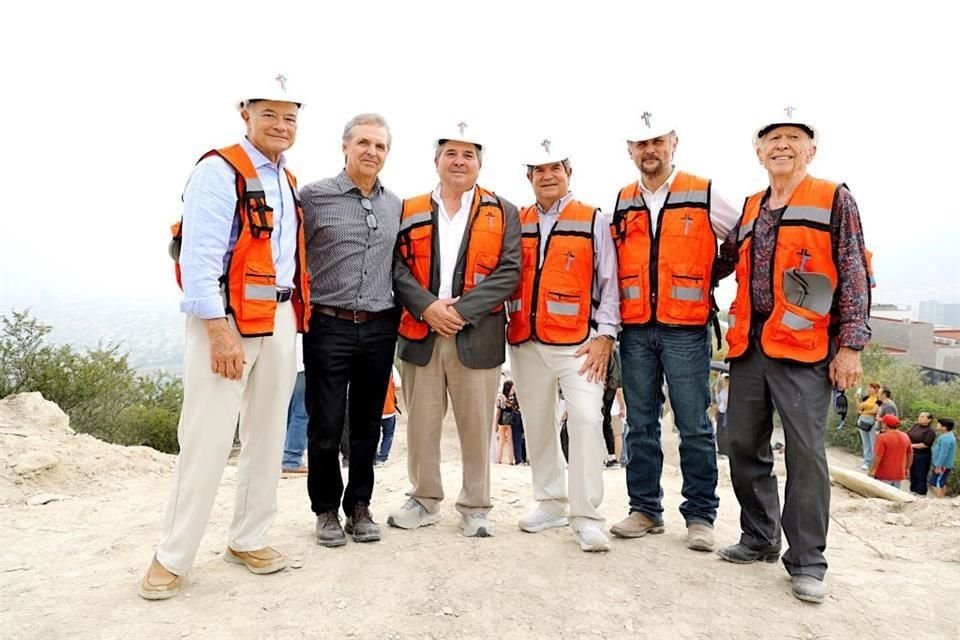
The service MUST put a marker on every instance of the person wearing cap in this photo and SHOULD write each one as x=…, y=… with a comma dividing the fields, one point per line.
x=666, y=227
x=795, y=331
x=893, y=455
x=351, y=225
x=240, y=215
x=457, y=261
x=564, y=319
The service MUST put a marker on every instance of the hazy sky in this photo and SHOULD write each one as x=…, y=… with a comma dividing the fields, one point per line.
x=107, y=106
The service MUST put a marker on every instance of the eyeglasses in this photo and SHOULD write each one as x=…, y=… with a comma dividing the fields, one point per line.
x=368, y=207
x=840, y=405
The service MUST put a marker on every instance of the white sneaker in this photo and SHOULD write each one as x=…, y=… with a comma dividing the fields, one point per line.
x=476, y=525
x=539, y=520
x=865, y=466
x=591, y=538
x=412, y=515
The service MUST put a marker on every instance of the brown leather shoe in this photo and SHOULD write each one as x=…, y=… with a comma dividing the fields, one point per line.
x=294, y=472
x=360, y=524
x=636, y=525
x=699, y=536
x=158, y=583
x=260, y=561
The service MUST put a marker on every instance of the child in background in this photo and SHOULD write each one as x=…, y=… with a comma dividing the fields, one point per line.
x=943, y=457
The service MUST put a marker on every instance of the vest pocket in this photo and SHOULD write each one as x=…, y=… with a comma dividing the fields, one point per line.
x=562, y=308
x=682, y=297
x=794, y=325
x=258, y=300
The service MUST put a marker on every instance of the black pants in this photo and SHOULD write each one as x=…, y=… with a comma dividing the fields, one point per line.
x=336, y=353
x=723, y=448
x=919, y=471
x=608, y=396
x=801, y=395
x=519, y=442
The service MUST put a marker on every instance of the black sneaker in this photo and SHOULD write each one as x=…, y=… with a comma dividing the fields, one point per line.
x=361, y=526
x=329, y=531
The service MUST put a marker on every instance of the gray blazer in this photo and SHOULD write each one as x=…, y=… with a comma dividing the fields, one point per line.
x=482, y=343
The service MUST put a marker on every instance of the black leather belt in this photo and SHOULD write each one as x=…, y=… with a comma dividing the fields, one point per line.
x=357, y=317
x=283, y=295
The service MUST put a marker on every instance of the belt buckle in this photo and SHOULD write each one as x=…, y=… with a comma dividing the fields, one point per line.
x=356, y=316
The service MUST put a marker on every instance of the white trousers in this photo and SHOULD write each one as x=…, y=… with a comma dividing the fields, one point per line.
x=537, y=370
x=211, y=408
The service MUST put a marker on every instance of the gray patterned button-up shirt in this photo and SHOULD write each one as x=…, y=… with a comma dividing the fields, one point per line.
x=350, y=263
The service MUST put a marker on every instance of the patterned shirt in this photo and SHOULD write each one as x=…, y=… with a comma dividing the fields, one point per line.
x=350, y=263
x=851, y=307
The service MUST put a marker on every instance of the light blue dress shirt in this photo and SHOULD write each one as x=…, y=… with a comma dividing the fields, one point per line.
x=210, y=229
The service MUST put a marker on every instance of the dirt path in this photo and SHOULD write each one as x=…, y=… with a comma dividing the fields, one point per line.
x=69, y=569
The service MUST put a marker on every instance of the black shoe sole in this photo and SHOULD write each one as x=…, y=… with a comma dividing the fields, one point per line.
x=769, y=558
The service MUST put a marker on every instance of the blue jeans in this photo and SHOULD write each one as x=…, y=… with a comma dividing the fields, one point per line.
x=682, y=355
x=296, y=442
x=869, y=441
x=387, y=427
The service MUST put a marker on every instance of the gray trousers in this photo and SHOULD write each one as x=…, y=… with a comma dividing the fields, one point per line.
x=801, y=395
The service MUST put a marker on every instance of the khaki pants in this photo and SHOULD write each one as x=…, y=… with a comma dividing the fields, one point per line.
x=537, y=370
x=208, y=420
x=473, y=393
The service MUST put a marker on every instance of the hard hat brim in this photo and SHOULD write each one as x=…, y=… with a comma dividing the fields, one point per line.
x=764, y=130
x=552, y=159
x=241, y=104
x=439, y=142
x=641, y=135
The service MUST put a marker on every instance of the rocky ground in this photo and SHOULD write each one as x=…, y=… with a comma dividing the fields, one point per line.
x=80, y=517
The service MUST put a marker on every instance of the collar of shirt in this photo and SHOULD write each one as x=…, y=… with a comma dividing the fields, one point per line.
x=346, y=184
x=466, y=201
x=557, y=206
x=258, y=159
x=663, y=188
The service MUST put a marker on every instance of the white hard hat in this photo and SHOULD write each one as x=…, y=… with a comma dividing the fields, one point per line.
x=649, y=126
x=787, y=116
x=545, y=152
x=275, y=89
x=459, y=132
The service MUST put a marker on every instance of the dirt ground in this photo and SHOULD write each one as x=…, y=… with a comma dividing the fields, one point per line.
x=77, y=535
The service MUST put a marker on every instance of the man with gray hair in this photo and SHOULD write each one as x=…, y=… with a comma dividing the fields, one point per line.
x=457, y=261
x=351, y=223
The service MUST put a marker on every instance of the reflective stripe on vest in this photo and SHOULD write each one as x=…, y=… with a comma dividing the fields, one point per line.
x=486, y=224
x=553, y=301
x=804, y=278
x=665, y=265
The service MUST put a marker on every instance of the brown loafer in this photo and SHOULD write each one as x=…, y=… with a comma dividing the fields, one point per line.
x=159, y=583
x=699, y=536
x=636, y=525
x=294, y=472
x=260, y=561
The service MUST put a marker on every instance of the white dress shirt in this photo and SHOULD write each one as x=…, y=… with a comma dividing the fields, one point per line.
x=450, y=230
x=723, y=216
x=605, y=283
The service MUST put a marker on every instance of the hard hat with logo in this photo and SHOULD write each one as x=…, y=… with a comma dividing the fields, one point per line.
x=276, y=89
x=545, y=152
x=786, y=116
x=462, y=131
x=649, y=125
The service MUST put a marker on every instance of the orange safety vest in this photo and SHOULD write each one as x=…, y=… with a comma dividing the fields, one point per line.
x=415, y=243
x=553, y=301
x=665, y=272
x=249, y=285
x=804, y=277
x=390, y=402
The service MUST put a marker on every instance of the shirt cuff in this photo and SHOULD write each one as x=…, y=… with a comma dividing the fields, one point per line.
x=608, y=330
x=204, y=308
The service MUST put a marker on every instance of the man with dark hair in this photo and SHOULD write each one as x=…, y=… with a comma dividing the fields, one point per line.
x=887, y=405
x=944, y=456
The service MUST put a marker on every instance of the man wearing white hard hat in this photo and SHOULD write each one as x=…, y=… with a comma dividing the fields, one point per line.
x=666, y=227
x=457, y=261
x=796, y=329
x=246, y=295
x=564, y=319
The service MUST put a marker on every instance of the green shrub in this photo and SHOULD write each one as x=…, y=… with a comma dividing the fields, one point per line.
x=97, y=388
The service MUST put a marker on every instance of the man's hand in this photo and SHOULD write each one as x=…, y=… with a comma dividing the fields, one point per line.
x=443, y=318
x=845, y=369
x=598, y=355
x=226, y=349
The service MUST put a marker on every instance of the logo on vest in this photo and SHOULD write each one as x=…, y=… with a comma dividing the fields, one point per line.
x=570, y=255
x=687, y=220
x=804, y=258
